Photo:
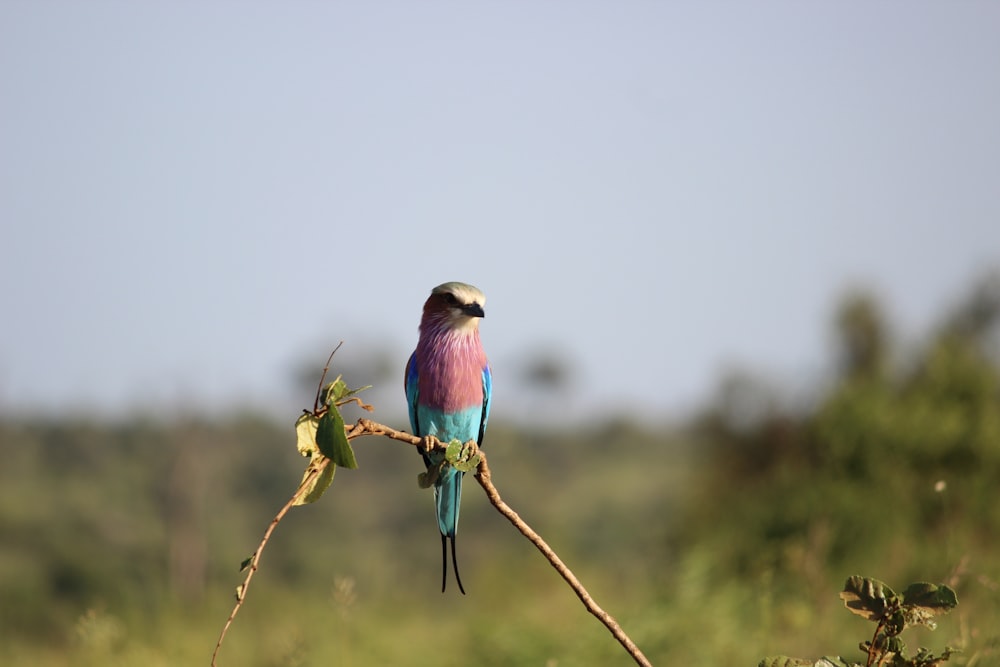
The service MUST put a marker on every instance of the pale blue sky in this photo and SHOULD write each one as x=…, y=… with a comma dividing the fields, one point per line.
x=195, y=195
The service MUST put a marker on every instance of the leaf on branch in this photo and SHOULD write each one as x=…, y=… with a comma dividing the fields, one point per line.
x=453, y=450
x=333, y=391
x=868, y=598
x=331, y=437
x=893, y=646
x=930, y=599
x=894, y=623
x=462, y=457
x=313, y=434
x=467, y=464
x=246, y=563
x=305, y=434
x=338, y=393
x=314, y=484
x=350, y=397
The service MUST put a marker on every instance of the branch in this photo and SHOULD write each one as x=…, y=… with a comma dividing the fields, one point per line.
x=430, y=443
x=250, y=565
x=485, y=479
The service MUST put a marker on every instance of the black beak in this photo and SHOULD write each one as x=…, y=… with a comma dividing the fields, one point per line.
x=474, y=310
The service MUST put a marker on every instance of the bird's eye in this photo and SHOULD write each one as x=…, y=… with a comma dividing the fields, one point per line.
x=451, y=299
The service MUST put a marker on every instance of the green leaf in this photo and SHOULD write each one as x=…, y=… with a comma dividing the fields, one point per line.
x=930, y=597
x=923, y=601
x=868, y=598
x=894, y=645
x=337, y=390
x=332, y=439
x=467, y=466
x=341, y=390
x=462, y=457
x=895, y=623
x=246, y=563
x=332, y=390
x=453, y=451
x=305, y=434
x=318, y=485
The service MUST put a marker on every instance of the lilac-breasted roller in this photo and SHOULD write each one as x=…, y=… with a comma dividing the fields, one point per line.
x=448, y=385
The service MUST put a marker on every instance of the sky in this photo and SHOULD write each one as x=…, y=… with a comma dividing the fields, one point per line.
x=198, y=198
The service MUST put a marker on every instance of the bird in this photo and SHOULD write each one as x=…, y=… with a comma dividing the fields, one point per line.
x=448, y=385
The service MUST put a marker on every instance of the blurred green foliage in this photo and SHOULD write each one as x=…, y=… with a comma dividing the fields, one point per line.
x=713, y=542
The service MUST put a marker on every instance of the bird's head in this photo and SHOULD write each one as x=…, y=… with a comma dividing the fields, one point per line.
x=456, y=306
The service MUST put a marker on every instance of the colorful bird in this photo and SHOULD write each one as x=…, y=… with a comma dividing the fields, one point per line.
x=448, y=385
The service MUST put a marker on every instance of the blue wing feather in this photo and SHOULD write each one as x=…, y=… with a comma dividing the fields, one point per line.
x=412, y=392
x=487, y=393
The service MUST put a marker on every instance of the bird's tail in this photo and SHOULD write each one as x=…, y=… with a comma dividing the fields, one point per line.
x=448, y=501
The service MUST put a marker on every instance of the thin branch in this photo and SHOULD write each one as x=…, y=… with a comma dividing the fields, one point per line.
x=326, y=369
x=251, y=567
x=485, y=479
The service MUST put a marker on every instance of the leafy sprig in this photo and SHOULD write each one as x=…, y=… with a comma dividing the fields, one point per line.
x=874, y=601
